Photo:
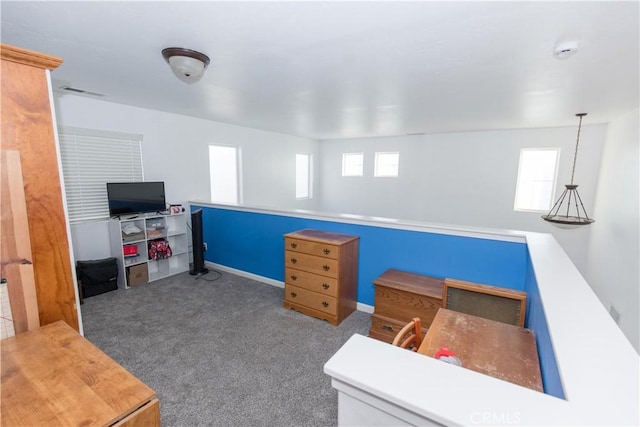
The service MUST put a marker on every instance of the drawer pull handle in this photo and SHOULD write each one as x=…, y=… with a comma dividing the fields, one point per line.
x=325, y=286
x=326, y=251
x=325, y=267
x=293, y=260
x=387, y=327
x=294, y=245
x=325, y=304
x=293, y=294
x=294, y=277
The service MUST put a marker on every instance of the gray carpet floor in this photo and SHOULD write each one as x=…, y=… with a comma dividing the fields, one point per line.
x=222, y=352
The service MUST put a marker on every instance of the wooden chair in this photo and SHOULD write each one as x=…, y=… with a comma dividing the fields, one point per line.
x=410, y=336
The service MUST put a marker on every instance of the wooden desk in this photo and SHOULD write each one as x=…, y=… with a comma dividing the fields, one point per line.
x=493, y=348
x=53, y=376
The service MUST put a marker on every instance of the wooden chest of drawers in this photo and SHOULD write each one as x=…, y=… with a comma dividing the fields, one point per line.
x=401, y=296
x=321, y=274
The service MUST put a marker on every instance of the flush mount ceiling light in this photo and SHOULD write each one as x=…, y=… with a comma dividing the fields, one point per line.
x=574, y=213
x=188, y=65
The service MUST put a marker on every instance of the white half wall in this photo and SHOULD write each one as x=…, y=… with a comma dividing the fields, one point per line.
x=614, y=248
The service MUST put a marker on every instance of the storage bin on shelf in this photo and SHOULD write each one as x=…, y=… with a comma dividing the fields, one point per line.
x=130, y=250
x=159, y=249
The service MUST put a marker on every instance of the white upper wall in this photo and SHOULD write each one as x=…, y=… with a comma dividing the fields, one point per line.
x=614, y=248
x=462, y=178
x=176, y=150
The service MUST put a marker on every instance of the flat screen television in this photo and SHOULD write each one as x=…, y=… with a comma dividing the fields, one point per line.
x=135, y=197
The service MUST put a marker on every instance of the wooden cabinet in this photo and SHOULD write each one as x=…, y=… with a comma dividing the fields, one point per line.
x=321, y=274
x=130, y=239
x=401, y=296
x=28, y=128
x=18, y=300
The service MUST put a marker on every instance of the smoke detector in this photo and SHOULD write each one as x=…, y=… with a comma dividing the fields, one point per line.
x=564, y=50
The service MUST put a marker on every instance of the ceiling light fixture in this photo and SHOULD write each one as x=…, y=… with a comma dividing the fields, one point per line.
x=579, y=215
x=188, y=65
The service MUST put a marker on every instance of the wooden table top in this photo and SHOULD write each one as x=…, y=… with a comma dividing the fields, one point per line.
x=493, y=348
x=53, y=376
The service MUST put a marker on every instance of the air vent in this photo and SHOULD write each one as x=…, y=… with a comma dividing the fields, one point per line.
x=565, y=49
x=79, y=91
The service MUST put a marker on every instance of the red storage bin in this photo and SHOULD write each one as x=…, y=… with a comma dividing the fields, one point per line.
x=130, y=250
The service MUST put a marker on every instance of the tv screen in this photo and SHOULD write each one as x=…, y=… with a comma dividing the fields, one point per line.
x=135, y=197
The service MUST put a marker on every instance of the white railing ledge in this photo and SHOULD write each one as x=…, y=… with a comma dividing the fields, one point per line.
x=376, y=221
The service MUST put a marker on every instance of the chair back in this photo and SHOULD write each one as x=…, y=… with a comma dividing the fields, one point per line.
x=410, y=336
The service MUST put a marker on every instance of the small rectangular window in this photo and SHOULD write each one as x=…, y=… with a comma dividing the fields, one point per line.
x=224, y=176
x=537, y=172
x=386, y=164
x=303, y=176
x=352, y=164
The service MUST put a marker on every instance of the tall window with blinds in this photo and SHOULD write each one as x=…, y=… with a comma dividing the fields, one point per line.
x=90, y=159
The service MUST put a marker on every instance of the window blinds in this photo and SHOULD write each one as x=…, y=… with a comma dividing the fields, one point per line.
x=92, y=158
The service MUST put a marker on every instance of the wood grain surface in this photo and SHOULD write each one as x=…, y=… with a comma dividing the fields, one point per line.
x=27, y=127
x=493, y=348
x=15, y=246
x=54, y=377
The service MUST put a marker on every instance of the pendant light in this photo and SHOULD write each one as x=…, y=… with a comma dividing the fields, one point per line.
x=573, y=213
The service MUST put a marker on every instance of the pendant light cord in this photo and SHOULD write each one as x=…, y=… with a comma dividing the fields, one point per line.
x=575, y=155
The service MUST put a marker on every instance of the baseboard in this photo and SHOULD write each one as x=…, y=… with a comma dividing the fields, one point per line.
x=242, y=273
x=366, y=308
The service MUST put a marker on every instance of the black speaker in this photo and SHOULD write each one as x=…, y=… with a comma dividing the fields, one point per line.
x=198, y=244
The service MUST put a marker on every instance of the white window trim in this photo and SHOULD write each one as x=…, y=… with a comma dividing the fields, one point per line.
x=376, y=174
x=309, y=176
x=553, y=185
x=239, y=194
x=344, y=156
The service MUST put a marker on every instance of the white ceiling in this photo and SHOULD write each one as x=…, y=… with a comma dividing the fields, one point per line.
x=347, y=69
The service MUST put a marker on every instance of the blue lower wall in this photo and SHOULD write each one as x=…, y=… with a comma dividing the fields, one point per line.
x=253, y=242
x=537, y=321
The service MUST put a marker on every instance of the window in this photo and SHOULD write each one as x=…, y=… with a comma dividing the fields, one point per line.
x=386, y=164
x=90, y=159
x=303, y=176
x=536, y=182
x=224, y=174
x=352, y=164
